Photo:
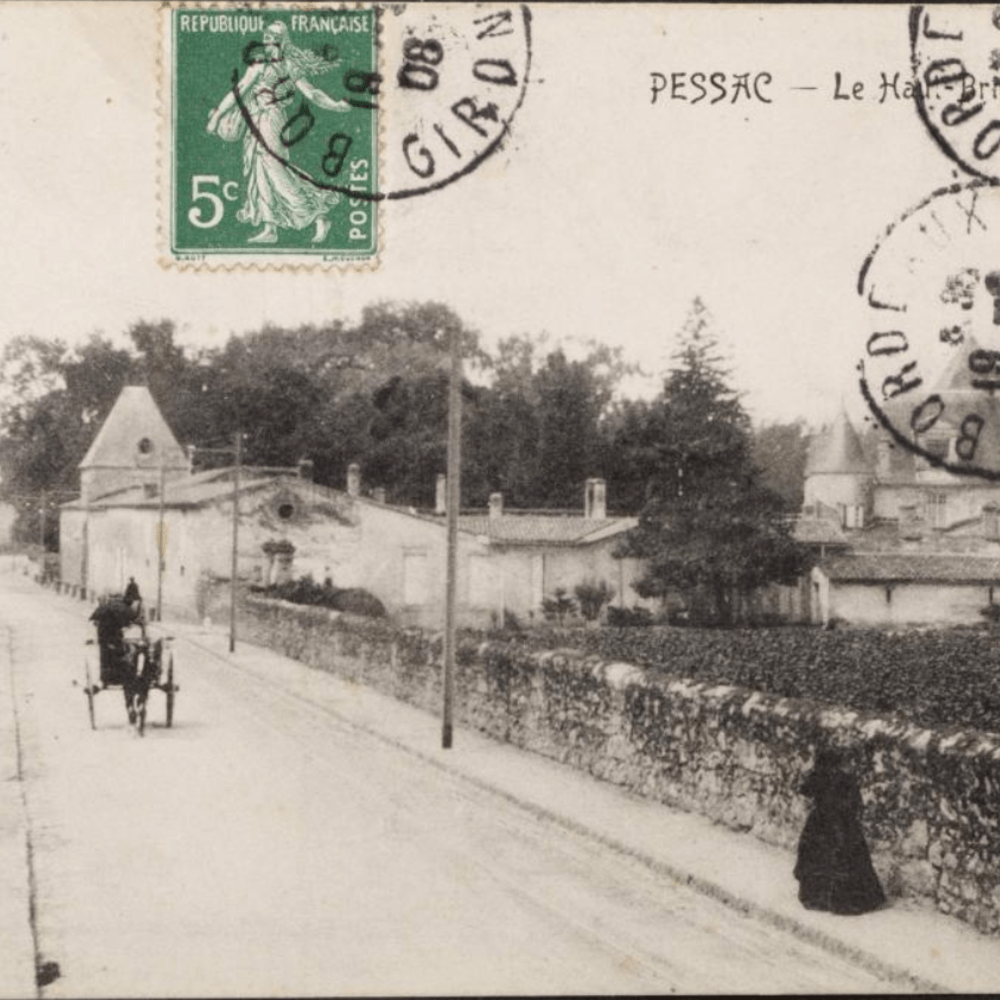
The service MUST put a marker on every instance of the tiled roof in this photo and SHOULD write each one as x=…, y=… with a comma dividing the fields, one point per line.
x=818, y=531
x=542, y=529
x=878, y=567
x=507, y=529
x=837, y=450
x=195, y=490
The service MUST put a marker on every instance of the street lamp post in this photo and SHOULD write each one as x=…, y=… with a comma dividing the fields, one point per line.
x=452, y=501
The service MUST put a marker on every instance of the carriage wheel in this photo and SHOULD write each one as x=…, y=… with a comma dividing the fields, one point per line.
x=169, y=690
x=89, y=691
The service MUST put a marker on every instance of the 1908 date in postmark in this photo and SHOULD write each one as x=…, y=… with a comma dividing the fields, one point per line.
x=290, y=126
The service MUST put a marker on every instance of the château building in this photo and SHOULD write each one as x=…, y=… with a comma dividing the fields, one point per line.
x=900, y=538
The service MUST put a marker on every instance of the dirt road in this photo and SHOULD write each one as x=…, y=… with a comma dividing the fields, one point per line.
x=266, y=846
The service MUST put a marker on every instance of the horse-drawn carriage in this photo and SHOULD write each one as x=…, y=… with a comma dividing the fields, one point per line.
x=130, y=659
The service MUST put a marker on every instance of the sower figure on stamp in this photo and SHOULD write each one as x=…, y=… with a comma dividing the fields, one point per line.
x=834, y=867
x=277, y=196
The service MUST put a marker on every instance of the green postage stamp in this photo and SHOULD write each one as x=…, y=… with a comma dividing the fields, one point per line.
x=273, y=135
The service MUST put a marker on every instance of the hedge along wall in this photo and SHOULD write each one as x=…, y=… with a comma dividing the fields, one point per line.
x=932, y=801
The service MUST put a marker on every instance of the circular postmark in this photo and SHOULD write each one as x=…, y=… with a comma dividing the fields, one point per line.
x=457, y=76
x=289, y=123
x=930, y=371
x=448, y=86
x=955, y=50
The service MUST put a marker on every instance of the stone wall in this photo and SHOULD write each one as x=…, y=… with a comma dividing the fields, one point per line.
x=932, y=800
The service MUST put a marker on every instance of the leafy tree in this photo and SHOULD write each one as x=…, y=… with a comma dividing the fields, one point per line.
x=159, y=360
x=413, y=336
x=500, y=431
x=571, y=401
x=373, y=392
x=30, y=368
x=56, y=399
x=710, y=529
x=632, y=439
x=407, y=443
x=48, y=427
x=337, y=393
x=538, y=432
x=780, y=451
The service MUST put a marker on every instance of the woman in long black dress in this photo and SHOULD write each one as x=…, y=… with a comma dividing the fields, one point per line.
x=834, y=867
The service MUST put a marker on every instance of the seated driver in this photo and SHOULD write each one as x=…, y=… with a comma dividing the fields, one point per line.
x=112, y=616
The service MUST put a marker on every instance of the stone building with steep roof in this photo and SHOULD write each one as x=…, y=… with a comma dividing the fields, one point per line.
x=144, y=512
x=133, y=447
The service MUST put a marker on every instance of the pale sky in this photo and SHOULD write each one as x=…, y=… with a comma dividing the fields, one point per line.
x=601, y=218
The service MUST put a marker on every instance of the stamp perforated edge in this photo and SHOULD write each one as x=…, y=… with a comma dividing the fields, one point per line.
x=262, y=262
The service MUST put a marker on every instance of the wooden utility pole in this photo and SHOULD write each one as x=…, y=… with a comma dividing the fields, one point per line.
x=161, y=545
x=236, y=538
x=42, y=503
x=452, y=500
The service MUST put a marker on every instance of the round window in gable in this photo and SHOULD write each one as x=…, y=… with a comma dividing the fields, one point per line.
x=286, y=511
x=145, y=446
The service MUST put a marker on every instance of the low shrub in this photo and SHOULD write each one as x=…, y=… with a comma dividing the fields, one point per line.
x=349, y=600
x=355, y=601
x=622, y=617
x=592, y=595
x=559, y=606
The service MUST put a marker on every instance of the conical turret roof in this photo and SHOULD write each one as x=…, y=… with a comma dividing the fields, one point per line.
x=837, y=450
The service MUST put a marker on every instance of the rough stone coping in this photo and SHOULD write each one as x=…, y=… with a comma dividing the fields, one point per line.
x=619, y=676
x=843, y=726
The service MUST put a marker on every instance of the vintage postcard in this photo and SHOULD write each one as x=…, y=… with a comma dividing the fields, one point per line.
x=499, y=499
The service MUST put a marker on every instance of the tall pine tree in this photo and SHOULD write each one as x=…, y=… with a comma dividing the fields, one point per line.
x=709, y=530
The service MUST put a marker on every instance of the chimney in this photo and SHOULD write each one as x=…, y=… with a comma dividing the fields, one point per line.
x=441, y=494
x=910, y=526
x=354, y=480
x=378, y=494
x=991, y=522
x=883, y=458
x=496, y=505
x=305, y=467
x=595, y=505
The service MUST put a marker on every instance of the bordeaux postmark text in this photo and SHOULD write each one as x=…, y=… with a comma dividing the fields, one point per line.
x=930, y=371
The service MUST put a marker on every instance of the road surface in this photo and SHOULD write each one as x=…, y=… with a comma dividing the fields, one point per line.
x=266, y=846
